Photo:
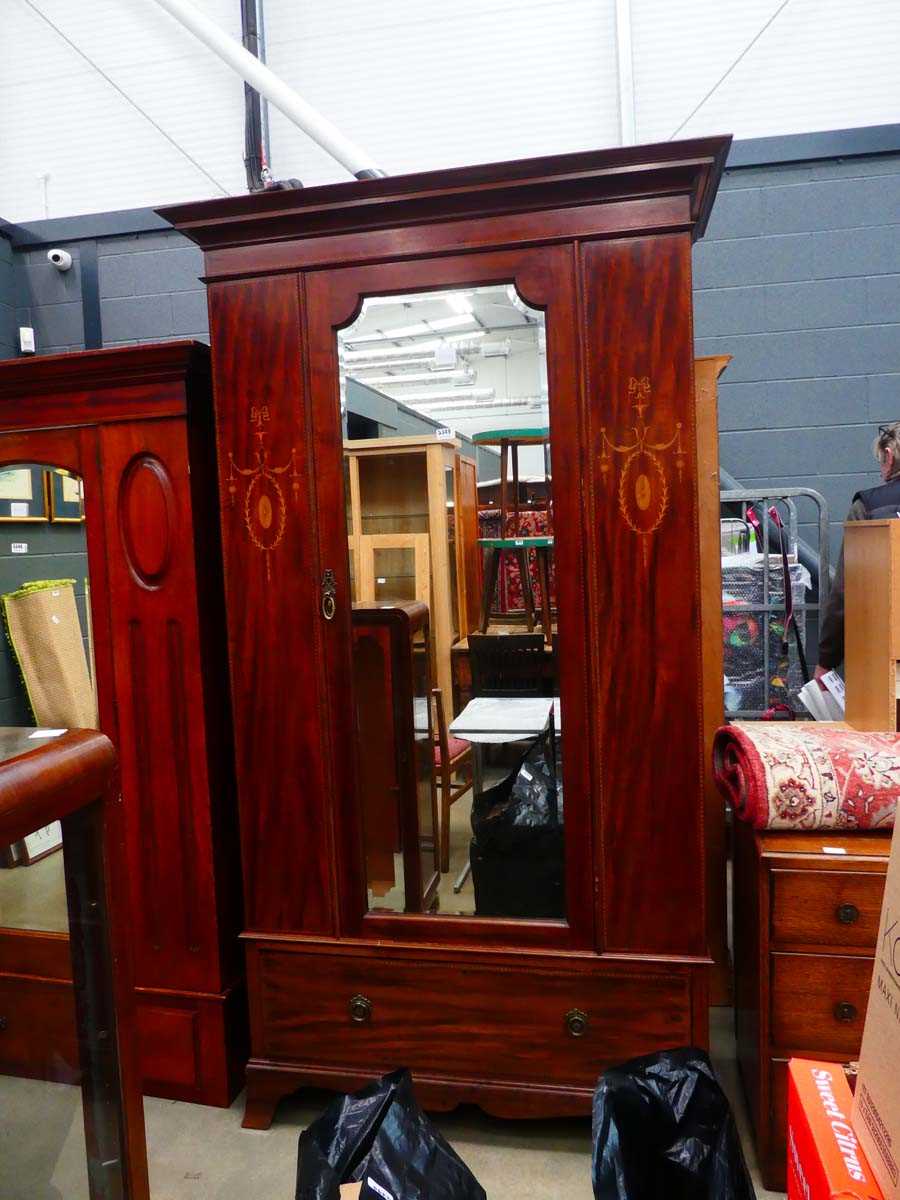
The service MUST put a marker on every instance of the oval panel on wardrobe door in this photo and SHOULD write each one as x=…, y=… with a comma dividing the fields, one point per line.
x=147, y=519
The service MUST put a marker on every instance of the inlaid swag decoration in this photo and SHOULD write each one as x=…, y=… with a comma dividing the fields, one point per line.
x=265, y=506
x=643, y=490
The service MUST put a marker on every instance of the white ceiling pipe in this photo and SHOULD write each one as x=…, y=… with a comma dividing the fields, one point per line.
x=267, y=83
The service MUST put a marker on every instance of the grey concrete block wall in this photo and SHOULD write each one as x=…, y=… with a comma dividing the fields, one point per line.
x=150, y=289
x=7, y=300
x=798, y=278
x=49, y=300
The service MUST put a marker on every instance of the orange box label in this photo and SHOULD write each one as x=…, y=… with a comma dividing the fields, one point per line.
x=825, y=1159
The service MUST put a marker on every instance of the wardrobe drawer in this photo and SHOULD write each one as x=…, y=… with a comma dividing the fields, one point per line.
x=481, y=1021
x=826, y=908
x=819, y=1002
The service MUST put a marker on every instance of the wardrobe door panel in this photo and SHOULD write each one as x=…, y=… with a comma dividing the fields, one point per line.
x=272, y=582
x=644, y=613
x=159, y=698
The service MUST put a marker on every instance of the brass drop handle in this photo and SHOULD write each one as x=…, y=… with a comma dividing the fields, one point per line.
x=576, y=1022
x=845, y=1011
x=360, y=1009
x=329, y=595
x=847, y=914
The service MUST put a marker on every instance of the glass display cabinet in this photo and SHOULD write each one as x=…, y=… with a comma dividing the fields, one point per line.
x=550, y=294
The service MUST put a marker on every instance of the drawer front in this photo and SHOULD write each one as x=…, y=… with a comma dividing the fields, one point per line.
x=819, y=1002
x=459, y=1020
x=37, y=1038
x=826, y=908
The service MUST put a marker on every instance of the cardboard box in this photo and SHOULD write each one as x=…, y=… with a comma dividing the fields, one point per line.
x=825, y=1158
x=876, y=1102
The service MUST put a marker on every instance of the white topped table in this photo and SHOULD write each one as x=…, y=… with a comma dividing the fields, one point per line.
x=494, y=719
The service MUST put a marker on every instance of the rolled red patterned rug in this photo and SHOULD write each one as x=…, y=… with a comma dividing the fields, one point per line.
x=799, y=775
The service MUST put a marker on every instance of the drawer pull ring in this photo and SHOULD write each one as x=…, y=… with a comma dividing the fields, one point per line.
x=360, y=1009
x=845, y=1011
x=847, y=914
x=576, y=1022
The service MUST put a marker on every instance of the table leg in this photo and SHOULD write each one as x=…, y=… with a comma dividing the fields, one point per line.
x=113, y=1115
x=514, y=452
x=527, y=594
x=504, y=475
x=477, y=788
x=490, y=583
x=543, y=563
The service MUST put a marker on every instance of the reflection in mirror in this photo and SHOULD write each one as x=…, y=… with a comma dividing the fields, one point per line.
x=450, y=534
x=46, y=661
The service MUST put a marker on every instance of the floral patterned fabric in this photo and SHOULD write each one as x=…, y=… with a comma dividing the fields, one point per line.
x=797, y=775
x=508, y=596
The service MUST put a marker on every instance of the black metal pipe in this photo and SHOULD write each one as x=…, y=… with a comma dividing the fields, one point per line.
x=256, y=130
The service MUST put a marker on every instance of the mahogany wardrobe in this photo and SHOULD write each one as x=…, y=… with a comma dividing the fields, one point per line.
x=583, y=263
x=134, y=425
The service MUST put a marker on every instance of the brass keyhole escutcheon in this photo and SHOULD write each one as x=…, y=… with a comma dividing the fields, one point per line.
x=576, y=1022
x=360, y=1009
x=847, y=914
x=845, y=1011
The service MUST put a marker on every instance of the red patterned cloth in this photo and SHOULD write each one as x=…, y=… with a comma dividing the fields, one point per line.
x=508, y=597
x=797, y=775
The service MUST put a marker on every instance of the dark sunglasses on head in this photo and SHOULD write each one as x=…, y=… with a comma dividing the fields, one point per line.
x=885, y=433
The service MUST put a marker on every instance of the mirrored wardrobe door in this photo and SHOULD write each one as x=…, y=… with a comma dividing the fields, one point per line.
x=47, y=676
x=447, y=415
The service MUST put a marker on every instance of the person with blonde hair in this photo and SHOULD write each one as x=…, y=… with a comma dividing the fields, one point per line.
x=872, y=504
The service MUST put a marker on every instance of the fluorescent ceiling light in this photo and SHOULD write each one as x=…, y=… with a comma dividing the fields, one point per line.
x=387, y=334
x=474, y=393
x=385, y=364
x=452, y=322
x=421, y=377
x=458, y=301
x=400, y=351
x=420, y=327
x=465, y=337
x=452, y=406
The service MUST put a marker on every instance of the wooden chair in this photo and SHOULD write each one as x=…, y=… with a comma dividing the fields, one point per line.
x=507, y=664
x=452, y=756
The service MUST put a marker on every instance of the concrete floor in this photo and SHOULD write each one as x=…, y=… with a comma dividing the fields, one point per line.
x=199, y=1152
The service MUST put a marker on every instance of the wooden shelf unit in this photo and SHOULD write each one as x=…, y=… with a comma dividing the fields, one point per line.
x=400, y=530
x=872, y=623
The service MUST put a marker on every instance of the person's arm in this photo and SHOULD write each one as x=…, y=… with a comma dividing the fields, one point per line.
x=831, y=617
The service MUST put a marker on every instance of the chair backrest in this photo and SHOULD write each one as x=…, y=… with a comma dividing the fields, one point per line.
x=507, y=664
x=441, y=737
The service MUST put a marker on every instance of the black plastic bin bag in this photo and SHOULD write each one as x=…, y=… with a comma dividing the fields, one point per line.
x=380, y=1137
x=663, y=1130
x=517, y=852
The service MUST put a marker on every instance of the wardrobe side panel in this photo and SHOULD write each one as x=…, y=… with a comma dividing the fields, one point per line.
x=645, y=614
x=272, y=596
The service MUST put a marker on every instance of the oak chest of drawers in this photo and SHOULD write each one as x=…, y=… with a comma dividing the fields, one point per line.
x=806, y=912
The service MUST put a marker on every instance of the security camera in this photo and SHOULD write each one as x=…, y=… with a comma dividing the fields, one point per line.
x=61, y=259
